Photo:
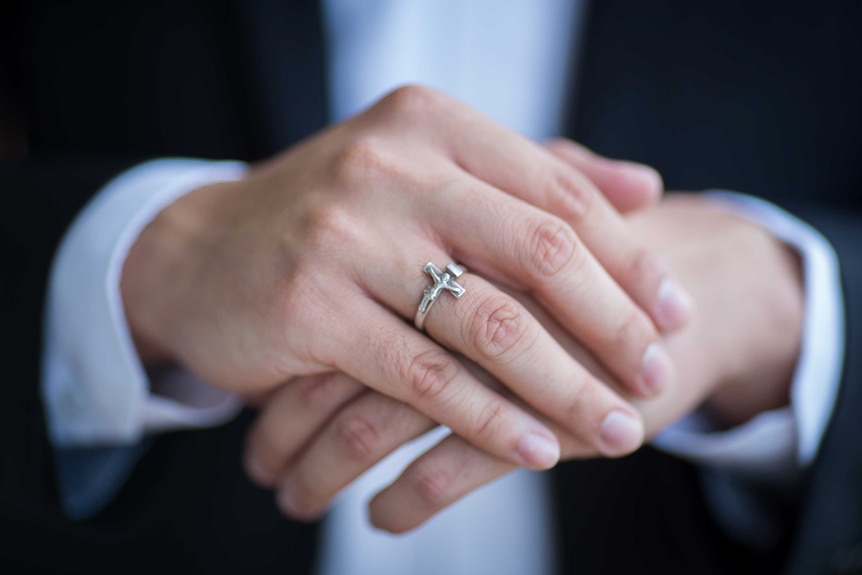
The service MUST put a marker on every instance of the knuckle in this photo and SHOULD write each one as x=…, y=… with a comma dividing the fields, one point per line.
x=573, y=198
x=433, y=486
x=327, y=223
x=360, y=436
x=320, y=394
x=644, y=265
x=552, y=246
x=490, y=420
x=430, y=375
x=497, y=326
x=363, y=159
x=558, y=145
x=634, y=328
x=412, y=101
x=578, y=402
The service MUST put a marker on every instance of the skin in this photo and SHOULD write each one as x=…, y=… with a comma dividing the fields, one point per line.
x=311, y=265
x=736, y=357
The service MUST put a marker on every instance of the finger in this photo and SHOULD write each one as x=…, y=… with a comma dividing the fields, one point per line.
x=290, y=418
x=628, y=186
x=257, y=398
x=361, y=434
x=522, y=168
x=453, y=468
x=439, y=478
x=500, y=335
x=510, y=238
x=401, y=363
x=497, y=332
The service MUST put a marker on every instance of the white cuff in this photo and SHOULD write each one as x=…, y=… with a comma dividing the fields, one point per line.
x=94, y=386
x=777, y=445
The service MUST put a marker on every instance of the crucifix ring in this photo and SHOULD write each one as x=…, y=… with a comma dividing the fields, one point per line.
x=443, y=281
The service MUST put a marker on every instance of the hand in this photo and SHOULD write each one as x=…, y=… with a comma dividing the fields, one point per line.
x=738, y=353
x=313, y=263
x=741, y=350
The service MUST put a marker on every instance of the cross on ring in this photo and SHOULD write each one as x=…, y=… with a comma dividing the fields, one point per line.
x=443, y=281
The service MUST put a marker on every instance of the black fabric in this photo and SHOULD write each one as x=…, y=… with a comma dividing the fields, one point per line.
x=828, y=534
x=641, y=514
x=763, y=97
x=101, y=86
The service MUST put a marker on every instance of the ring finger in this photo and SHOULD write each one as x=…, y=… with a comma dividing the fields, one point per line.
x=497, y=332
x=519, y=243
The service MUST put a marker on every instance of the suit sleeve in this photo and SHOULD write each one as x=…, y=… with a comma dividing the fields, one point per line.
x=40, y=199
x=826, y=531
x=102, y=405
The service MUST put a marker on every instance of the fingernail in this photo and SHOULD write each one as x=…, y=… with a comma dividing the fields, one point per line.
x=674, y=306
x=621, y=433
x=289, y=505
x=633, y=171
x=539, y=451
x=644, y=173
x=256, y=472
x=656, y=368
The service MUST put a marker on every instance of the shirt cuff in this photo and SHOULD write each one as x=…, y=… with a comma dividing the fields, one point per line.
x=777, y=445
x=94, y=386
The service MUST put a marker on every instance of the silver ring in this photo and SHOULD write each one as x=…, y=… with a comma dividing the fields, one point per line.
x=443, y=281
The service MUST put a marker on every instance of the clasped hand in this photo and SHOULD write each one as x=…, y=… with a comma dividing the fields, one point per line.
x=298, y=285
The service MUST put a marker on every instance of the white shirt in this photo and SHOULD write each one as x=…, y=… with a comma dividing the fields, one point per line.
x=510, y=60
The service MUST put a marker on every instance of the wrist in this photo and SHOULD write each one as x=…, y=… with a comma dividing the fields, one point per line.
x=157, y=276
x=768, y=346
x=737, y=356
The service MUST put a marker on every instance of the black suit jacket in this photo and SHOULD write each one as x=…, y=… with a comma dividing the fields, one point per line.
x=763, y=97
